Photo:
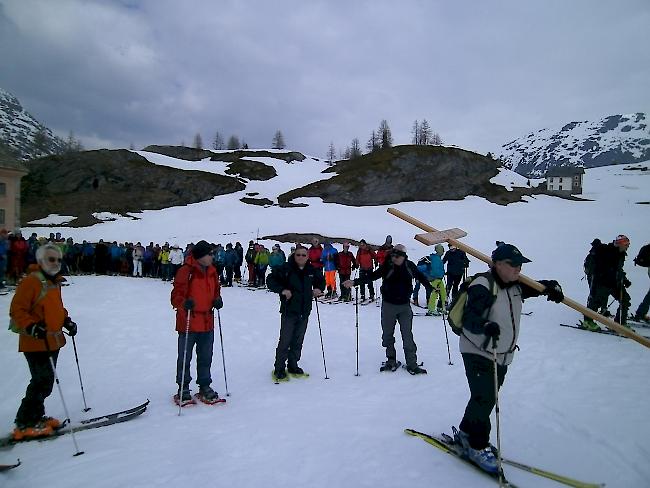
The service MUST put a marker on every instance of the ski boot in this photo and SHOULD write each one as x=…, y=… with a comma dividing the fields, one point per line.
x=56, y=424
x=391, y=365
x=416, y=369
x=184, y=398
x=207, y=395
x=589, y=324
x=24, y=432
x=280, y=375
x=484, y=459
x=297, y=372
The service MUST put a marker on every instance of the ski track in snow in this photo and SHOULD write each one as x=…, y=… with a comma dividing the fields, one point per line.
x=573, y=402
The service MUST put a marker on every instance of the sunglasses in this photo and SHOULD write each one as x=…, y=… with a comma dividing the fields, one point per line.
x=300, y=255
x=53, y=260
x=398, y=254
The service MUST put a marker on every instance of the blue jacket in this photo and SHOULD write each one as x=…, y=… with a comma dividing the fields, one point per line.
x=231, y=257
x=437, y=268
x=329, y=257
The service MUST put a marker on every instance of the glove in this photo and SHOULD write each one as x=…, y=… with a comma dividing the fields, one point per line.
x=492, y=330
x=188, y=304
x=553, y=291
x=627, y=283
x=217, y=303
x=37, y=330
x=70, y=326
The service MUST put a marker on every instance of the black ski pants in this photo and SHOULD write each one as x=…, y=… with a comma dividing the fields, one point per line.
x=346, y=293
x=599, y=295
x=32, y=408
x=480, y=376
x=292, y=334
x=453, y=282
x=204, y=342
x=364, y=273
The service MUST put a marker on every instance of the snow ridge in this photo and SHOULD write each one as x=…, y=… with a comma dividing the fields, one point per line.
x=616, y=139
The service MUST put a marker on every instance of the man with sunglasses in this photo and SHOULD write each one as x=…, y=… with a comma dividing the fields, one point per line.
x=397, y=275
x=297, y=282
x=490, y=332
x=38, y=316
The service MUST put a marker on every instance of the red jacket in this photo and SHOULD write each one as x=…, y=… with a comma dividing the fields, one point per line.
x=366, y=259
x=200, y=284
x=381, y=255
x=346, y=263
x=314, y=255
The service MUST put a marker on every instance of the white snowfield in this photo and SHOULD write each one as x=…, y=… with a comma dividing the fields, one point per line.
x=573, y=402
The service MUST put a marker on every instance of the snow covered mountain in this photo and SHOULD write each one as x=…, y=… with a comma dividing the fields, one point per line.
x=22, y=133
x=617, y=139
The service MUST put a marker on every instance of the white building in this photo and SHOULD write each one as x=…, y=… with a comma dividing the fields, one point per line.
x=565, y=178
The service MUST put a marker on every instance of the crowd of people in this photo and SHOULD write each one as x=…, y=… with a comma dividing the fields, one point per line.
x=490, y=324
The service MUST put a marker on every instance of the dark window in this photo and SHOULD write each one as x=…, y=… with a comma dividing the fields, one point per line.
x=2, y=216
x=3, y=188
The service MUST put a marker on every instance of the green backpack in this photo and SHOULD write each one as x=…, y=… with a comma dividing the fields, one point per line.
x=457, y=306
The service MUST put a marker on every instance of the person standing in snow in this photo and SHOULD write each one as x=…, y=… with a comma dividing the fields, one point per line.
x=437, y=283
x=297, y=282
x=138, y=256
x=347, y=263
x=643, y=260
x=457, y=264
x=277, y=257
x=329, y=257
x=491, y=325
x=424, y=266
x=196, y=293
x=315, y=252
x=397, y=275
x=176, y=258
x=384, y=250
x=261, y=264
x=240, y=260
x=366, y=259
x=39, y=317
x=250, y=263
x=609, y=279
x=230, y=263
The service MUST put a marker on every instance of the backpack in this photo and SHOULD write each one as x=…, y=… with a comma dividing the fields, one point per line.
x=643, y=258
x=457, y=306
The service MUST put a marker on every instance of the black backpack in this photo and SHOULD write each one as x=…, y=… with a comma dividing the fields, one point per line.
x=643, y=258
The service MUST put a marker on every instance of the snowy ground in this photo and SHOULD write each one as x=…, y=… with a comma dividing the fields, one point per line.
x=573, y=402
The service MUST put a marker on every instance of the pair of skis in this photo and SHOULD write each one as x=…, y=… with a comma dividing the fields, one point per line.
x=67, y=427
x=446, y=444
x=602, y=331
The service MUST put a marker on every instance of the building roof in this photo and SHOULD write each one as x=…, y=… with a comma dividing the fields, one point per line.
x=7, y=161
x=565, y=171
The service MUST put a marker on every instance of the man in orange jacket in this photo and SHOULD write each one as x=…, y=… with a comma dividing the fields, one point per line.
x=38, y=315
x=196, y=292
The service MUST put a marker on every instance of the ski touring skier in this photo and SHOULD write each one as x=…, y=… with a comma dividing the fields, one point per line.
x=347, y=263
x=457, y=264
x=329, y=258
x=424, y=265
x=39, y=317
x=366, y=260
x=250, y=263
x=297, y=282
x=397, y=275
x=315, y=252
x=609, y=279
x=489, y=339
x=437, y=283
x=195, y=295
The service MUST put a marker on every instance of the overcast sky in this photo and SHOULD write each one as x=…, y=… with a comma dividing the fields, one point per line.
x=481, y=72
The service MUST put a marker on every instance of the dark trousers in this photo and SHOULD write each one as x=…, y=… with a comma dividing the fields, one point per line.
x=237, y=272
x=390, y=315
x=346, y=293
x=599, y=295
x=203, y=342
x=32, y=408
x=480, y=376
x=364, y=273
x=453, y=282
x=642, y=311
x=292, y=335
x=229, y=272
x=260, y=273
x=251, y=274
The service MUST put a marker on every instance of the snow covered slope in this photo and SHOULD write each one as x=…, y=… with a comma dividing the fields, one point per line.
x=616, y=139
x=573, y=402
x=18, y=130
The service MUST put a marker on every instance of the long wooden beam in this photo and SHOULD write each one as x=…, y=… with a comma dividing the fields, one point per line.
x=606, y=321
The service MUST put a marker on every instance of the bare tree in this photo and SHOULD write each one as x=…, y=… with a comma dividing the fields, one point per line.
x=40, y=142
x=233, y=142
x=373, y=143
x=426, y=134
x=278, y=140
x=331, y=154
x=198, y=141
x=385, y=136
x=436, y=140
x=72, y=144
x=217, y=143
x=416, y=133
x=355, y=149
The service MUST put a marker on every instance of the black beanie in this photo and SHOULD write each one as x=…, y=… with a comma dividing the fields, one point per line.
x=201, y=249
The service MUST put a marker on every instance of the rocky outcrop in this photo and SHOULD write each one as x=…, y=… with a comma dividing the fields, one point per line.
x=410, y=173
x=117, y=181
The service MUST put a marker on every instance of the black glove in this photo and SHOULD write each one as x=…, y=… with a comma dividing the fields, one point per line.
x=37, y=330
x=70, y=326
x=188, y=304
x=492, y=330
x=627, y=283
x=217, y=303
x=553, y=291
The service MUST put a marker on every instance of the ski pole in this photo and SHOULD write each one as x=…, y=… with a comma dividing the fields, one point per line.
x=496, y=407
x=182, y=385
x=322, y=348
x=223, y=358
x=444, y=325
x=65, y=407
x=81, y=383
x=356, y=307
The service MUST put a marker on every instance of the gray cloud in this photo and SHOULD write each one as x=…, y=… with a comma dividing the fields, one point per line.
x=482, y=74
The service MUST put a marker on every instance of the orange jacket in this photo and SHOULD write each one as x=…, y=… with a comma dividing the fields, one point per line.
x=27, y=309
x=202, y=287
